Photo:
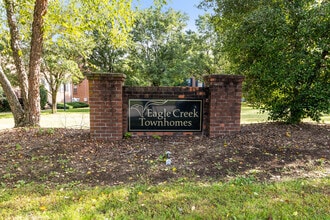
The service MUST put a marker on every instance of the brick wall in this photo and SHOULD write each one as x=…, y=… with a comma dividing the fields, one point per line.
x=109, y=104
x=105, y=94
x=225, y=94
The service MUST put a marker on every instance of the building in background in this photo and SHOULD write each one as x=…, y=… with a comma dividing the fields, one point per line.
x=71, y=92
x=80, y=92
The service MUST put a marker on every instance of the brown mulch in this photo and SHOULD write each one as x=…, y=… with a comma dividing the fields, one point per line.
x=267, y=151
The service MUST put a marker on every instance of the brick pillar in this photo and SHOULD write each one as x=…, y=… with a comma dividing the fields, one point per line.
x=225, y=94
x=106, y=102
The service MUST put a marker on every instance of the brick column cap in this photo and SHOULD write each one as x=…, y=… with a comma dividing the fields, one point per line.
x=214, y=78
x=223, y=77
x=115, y=76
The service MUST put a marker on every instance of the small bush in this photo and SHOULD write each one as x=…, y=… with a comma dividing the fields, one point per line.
x=79, y=104
x=43, y=96
x=71, y=105
x=4, y=105
x=61, y=106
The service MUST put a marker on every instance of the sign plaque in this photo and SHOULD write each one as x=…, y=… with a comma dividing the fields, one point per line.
x=165, y=115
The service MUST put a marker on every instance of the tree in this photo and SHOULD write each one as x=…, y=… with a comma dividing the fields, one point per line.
x=202, y=46
x=282, y=47
x=58, y=70
x=79, y=39
x=65, y=46
x=29, y=82
x=84, y=17
x=105, y=56
x=158, y=50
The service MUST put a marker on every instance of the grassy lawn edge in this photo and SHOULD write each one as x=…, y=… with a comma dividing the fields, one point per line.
x=240, y=198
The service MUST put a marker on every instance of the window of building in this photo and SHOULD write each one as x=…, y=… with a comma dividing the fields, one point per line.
x=75, y=90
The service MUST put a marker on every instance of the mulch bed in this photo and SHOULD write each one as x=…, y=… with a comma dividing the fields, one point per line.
x=266, y=151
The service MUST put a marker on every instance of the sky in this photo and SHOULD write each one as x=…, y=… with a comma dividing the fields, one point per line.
x=187, y=6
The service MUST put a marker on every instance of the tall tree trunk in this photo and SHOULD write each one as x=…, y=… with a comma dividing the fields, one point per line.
x=12, y=99
x=33, y=109
x=15, y=42
x=55, y=86
x=54, y=103
x=29, y=84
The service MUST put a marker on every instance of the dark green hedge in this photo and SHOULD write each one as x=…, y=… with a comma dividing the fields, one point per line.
x=4, y=105
x=71, y=105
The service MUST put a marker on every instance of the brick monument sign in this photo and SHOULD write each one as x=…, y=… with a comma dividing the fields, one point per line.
x=115, y=109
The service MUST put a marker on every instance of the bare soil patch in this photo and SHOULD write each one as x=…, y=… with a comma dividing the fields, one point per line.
x=266, y=151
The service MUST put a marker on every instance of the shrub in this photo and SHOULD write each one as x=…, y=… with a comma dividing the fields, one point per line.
x=61, y=106
x=71, y=105
x=79, y=104
x=43, y=96
x=4, y=105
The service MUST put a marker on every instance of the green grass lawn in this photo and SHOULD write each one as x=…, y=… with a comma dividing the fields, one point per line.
x=74, y=110
x=241, y=198
x=5, y=115
x=251, y=115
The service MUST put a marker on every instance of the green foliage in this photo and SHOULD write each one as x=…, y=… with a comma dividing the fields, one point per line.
x=4, y=105
x=128, y=135
x=159, y=51
x=67, y=35
x=48, y=131
x=203, y=54
x=156, y=137
x=77, y=19
x=105, y=56
x=72, y=105
x=79, y=104
x=61, y=106
x=157, y=54
x=18, y=147
x=243, y=180
x=43, y=96
x=282, y=47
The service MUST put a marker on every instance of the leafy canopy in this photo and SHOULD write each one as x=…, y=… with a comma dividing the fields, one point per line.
x=282, y=47
x=158, y=46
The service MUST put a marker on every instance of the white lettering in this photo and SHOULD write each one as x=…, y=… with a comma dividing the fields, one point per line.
x=195, y=114
x=176, y=113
